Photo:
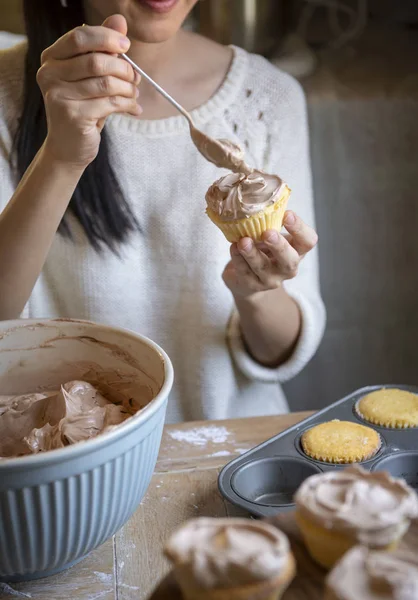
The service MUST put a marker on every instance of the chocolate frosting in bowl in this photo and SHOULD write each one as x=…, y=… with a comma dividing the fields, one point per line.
x=238, y=196
x=374, y=508
x=372, y=575
x=40, y=422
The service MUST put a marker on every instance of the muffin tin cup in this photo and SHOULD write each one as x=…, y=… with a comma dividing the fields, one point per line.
x=400, y=464
x=264, y=480
x=271, y=481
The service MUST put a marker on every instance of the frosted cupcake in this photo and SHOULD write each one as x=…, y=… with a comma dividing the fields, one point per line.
x=340, y=509
x=231, y=559
x=246, y=205
x=369, y=575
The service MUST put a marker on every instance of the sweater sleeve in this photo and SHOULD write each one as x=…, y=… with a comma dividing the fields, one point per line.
x=287, y=155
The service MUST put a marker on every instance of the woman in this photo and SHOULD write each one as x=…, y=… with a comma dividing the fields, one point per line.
x=124, y=186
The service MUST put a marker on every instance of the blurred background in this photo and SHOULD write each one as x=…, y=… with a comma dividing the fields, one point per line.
x=358, y=63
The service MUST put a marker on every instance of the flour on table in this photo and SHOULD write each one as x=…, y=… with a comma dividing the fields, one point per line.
x=221, y=453
x=104, y=577
x=101, y=594
x=201, y=436
x=129, y=587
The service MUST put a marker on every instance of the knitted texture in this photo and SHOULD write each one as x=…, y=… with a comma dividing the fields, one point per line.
x=167, y=282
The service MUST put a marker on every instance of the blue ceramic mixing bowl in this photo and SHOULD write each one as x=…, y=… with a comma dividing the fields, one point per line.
x=56, y=507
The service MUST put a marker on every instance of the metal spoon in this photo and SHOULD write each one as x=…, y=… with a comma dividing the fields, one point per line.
x=222, y=153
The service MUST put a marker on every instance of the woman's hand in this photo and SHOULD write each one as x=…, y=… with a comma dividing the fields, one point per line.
x=262, y=267
x=83, y=81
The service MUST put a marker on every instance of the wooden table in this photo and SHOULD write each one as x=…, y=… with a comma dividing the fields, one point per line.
x=184, y=486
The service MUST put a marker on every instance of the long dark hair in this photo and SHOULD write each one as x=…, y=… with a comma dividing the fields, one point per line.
x=98, y=202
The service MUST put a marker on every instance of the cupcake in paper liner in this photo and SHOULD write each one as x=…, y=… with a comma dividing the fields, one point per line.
x=370, y=575
x=246, y=205
x=389, y=407
x=231, y=559
x=340, y=509
x=340, y=442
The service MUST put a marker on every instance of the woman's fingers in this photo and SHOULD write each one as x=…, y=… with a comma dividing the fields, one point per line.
x=262, y=266
x=284, y=257
x=258, y=262
x=241, y=265
x=100, y=108
x=238, y=275
x=91, y=76
x=99, y=87
x=97, y=64
x=85, y=67
x=83, y=40
x=303, y=237
x=83, y=81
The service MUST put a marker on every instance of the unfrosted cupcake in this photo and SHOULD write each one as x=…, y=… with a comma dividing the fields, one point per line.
x=389, y=407
x=231, y=559
x=246, y=205
x=339, y=509
x=364, y=574
x=340, y=442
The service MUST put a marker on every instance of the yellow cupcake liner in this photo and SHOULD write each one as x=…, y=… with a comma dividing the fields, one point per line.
x=389, y=407
x=340, y=442
x=254, y=226
x=272, y=589
x=326, y=546
x=342, y=460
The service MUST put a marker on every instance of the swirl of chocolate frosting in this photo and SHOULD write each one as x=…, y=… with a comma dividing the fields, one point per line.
x=45, y=421
x=228, y=552
x=372, y=575
x=374, y=508
x=237, y=196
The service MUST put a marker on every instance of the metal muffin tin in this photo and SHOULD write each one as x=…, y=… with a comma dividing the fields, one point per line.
x=264, y=480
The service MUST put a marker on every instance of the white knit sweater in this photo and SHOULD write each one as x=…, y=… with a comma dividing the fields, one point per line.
x=167, y=284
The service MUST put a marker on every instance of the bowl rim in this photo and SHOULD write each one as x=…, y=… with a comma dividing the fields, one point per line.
x=73, y=451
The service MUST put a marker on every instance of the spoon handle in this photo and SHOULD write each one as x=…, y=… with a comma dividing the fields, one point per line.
x=159, y=88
